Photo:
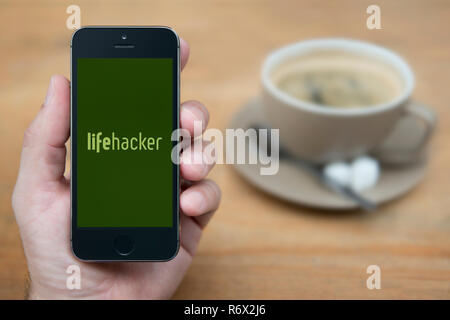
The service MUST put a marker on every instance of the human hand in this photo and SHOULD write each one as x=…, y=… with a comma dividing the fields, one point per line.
x=41, y=203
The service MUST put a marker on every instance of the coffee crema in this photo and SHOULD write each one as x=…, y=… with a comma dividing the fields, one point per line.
x=338, y=79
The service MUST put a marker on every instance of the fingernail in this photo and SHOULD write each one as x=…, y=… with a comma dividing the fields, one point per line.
x=196, y=201
x=197, y=114
x=50, y=92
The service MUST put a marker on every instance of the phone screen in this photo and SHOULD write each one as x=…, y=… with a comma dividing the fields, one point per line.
x=124, y=126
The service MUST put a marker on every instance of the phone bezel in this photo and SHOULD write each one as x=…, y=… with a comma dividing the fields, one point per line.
x=151, y=243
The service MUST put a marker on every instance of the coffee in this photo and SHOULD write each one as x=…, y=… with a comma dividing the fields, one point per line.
x=338, y=79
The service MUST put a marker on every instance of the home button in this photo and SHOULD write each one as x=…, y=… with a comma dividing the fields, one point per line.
x=124, y=245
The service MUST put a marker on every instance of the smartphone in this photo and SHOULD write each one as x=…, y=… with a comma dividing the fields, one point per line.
x=124, y=109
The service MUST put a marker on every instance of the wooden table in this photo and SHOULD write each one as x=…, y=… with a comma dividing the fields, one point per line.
x=257, y=246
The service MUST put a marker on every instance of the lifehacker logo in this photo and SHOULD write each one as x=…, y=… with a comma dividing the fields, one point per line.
x=98, y=142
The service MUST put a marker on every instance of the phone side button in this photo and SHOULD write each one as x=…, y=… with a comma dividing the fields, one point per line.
x=124, y=245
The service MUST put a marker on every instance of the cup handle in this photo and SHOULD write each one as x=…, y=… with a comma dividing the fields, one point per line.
x=423, y=115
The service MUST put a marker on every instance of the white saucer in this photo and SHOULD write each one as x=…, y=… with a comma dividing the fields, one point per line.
x=295, y=185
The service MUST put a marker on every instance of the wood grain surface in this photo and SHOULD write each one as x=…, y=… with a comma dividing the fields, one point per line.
x=257, y=246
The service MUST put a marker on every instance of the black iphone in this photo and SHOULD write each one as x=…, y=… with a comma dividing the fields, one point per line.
x=124, y=109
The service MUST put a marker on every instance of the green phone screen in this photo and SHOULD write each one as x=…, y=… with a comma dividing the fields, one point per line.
x=124, y=127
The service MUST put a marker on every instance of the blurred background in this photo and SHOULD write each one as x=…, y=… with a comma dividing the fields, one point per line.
x=257, y=247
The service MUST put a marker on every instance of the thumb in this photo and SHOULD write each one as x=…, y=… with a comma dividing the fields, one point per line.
x=44, y=153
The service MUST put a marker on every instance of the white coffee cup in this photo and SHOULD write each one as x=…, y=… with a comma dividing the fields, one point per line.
x=323, y=134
